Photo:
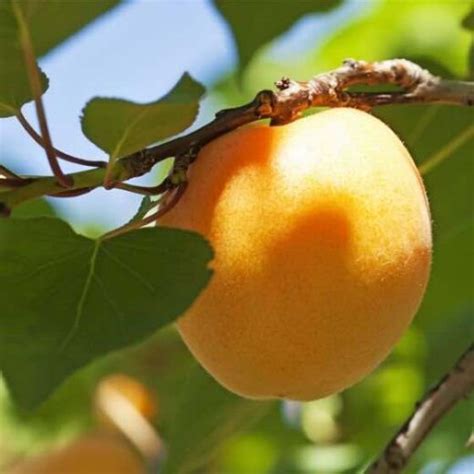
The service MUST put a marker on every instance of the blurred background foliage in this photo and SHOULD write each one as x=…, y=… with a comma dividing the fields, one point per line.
x=205, y=428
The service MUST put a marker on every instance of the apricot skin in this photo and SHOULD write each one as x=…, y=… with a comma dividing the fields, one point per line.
x=93, y=454
x=322, y=235
x=131, y=390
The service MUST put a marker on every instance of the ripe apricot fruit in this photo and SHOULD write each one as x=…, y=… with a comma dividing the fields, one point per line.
x=322, y=238
x=94, y=454
x=128, y=388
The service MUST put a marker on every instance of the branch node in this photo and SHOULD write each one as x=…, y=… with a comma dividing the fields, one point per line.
x=283, y=83
x=264, y=104
x=350, y=63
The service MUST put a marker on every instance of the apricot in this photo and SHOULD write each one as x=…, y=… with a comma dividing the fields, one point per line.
x=139, y=397
x=126, y=406
x=94, y=454
x=322, y=238
x=106, y=452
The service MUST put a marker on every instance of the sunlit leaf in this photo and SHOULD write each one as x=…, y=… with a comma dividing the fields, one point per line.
x=400, y=29
x=121, y=127
x=67, y=300
x=256, y=23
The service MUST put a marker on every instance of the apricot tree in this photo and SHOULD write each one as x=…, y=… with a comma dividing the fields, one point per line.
x=297, y=251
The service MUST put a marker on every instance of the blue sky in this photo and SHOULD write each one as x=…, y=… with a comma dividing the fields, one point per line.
x=138, y=51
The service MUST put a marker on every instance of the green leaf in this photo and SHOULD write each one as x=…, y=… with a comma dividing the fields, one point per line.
x=49, y=23
x=121, y=127
x=254, y=24
x=14, y=84
x=206, y=416
x=403, y=34
x=54, y=21
x=146, y=205
x=468, y=21
x=66, y=300
x=34, y=208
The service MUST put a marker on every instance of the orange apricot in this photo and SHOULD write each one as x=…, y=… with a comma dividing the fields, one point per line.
x=322, y=237
x=130, y=389
x=93, y=454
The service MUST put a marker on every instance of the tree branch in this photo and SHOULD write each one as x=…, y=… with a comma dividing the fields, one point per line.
x=453, y=387
x=324, y=90
x=416, y=85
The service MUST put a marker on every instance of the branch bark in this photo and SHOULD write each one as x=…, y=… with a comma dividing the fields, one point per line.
x=453, y=387
x=416, y=85
x=324, y=90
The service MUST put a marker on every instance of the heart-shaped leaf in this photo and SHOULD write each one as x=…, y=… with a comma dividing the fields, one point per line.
x=66, y=299
x=121, y=127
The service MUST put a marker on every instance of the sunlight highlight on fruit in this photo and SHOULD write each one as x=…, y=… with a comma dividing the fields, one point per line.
x=322, y=236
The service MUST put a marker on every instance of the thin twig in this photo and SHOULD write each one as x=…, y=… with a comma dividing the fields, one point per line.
x=71, y=193
x=453, y=387
x=35, y=84
x=175, y=196
x=324, y=90
x=416, y=85
x=146, y=190
x=60, y=154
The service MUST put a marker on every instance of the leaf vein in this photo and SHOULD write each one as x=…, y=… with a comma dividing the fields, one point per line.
x=119, y=316
x=82, y=298
x=130, y=270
